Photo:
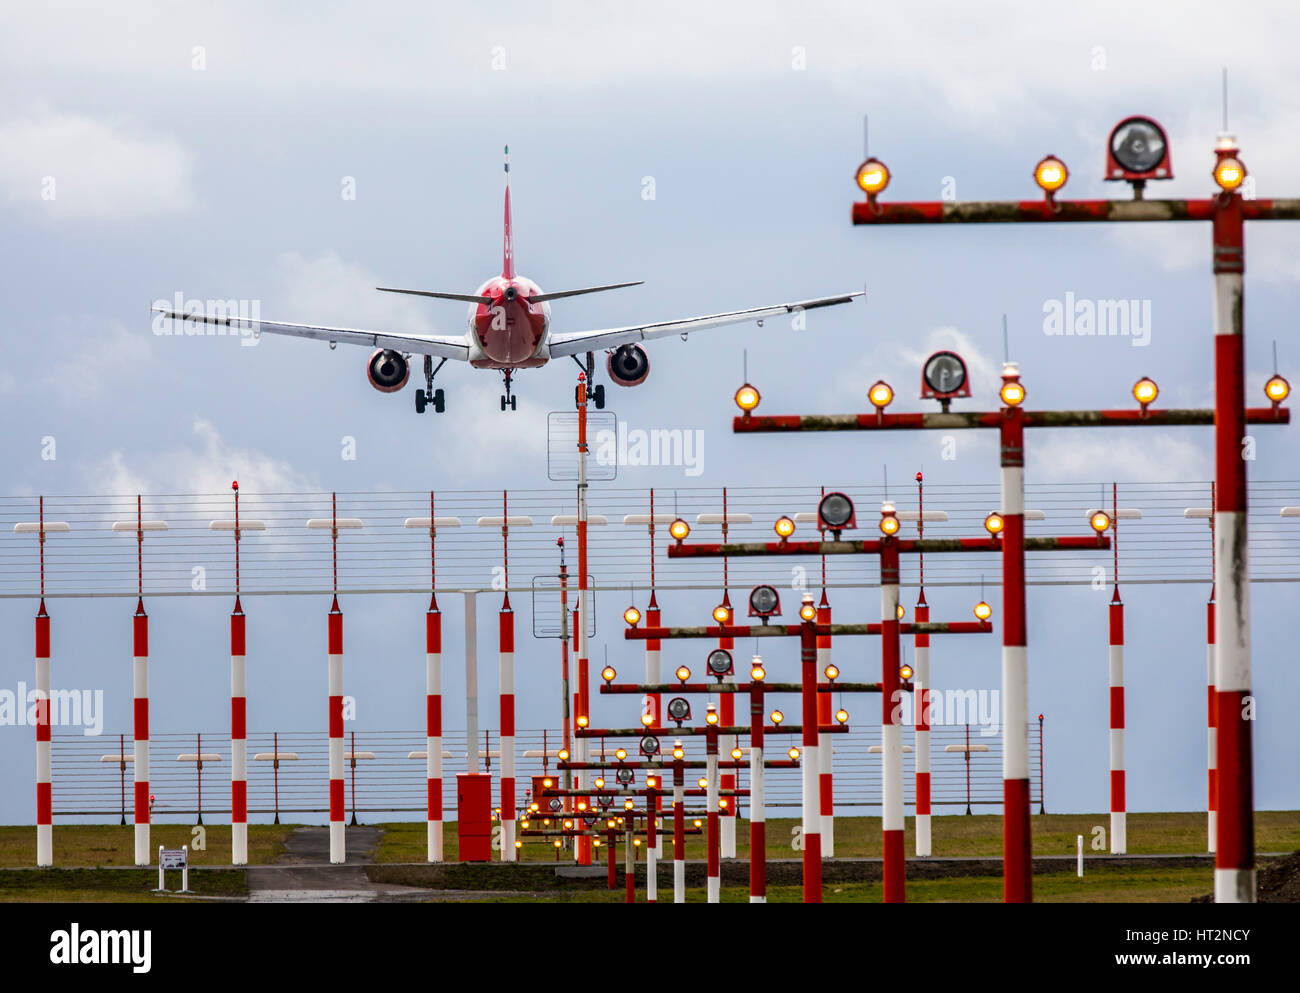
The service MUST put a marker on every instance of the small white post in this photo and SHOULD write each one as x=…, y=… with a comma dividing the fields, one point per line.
x=185, y=869
x=161, y=887
x=1079, y=870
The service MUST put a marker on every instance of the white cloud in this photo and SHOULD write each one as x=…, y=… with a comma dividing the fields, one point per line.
x=208, y=466
x=99, y=361
x=328, y=289
x=70, y=166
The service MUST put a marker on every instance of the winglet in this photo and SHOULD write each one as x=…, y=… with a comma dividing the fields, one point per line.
x=508, y=258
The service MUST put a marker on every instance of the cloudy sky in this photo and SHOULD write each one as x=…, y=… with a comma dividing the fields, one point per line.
x=204, y=151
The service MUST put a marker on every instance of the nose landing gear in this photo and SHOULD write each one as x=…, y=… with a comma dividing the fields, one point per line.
x=507, y=398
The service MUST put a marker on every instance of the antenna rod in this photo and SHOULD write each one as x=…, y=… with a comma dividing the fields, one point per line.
x=1006, y=341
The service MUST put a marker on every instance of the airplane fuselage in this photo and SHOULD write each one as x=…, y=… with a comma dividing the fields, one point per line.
x=510, y=332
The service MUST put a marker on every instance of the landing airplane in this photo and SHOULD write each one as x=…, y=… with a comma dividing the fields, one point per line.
x=509, y=329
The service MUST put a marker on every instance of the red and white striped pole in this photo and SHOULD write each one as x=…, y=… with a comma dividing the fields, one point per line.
x=1017, y=858
x=757, y=788
x=583, y=715
x=507, y=694
x=433, y=725
x=726, y=744
x=1212, y=805
x=1234, y=863
x=825, y=757
x=812, y=838
x=334, y=629
x=140, y=690
x=1118, y=817
x=652, y=676
x=921, y=699
x=891, y=721
x=238, y=718
x=921, y=693
x=679, y=824
x=714, y=881
x=44, y=786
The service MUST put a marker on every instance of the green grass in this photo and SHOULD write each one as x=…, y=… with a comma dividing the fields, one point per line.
x=1103, y=884
x=1180, y=833
x=112, y=885
x=113, y=844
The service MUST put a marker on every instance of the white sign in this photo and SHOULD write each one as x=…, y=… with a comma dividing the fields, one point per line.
x=172, y=858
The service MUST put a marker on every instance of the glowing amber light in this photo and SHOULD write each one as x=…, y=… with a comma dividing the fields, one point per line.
x=793, y=752
x=983, y=611
x=599, y=783
x=747, y=398
x=905, y=672
x=721, y=613
x=1145, y=390
x=842, y=715
x=901, y=612
x=711, y=717
x=647, y=719
x=872, y=176
x=1229, y=172
x=679, y=752
x=784, y=527
x=1277, y=389
x=777, y=717
x=1012, y=393
x=889, y=524
x=679, y=529
x=881, y=394
x=582, y=720
x=832, y=672
x=608, y=673
x=1050, y=174
x=632, y=615
x=1100, y=521
x=621, y=754
x=683, y=673
x=736, y=753
x=994, y=523
x=807, y=611
x=757, y=673
x=703, y=783
x=563, y=755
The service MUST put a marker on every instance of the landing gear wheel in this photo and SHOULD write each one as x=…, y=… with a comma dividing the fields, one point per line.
x=419, y=401
x=513, y=401
x=439, y=401
x=503, y=401
x=599, y=394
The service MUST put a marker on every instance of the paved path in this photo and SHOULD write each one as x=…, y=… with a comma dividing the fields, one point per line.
x=303, y=874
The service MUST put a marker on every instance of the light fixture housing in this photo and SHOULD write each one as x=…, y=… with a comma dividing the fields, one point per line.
x=1012, y=392
x=807, y=611
x=624, y=775
x=784, y=527
x=682, y=674
x=835, y=513
x=995, y=523
x=1137, y=150
x=632, y=616
x=1099, y=521
x=608, y=673
x=943, y=377
x=711, y=714
x=983, y=611
x=777, y=717
x=756, y=671
x=620, y=754
x=793, y=752
x=679, y=529
x=764, y=602
x=889, y=523
x=747, y=398
x=1229, y=173
x=679, y=709
x=719, y=663
x=905, y=672
x=832, y=672
x=722, y=613
x=842, y=716
x=649, y=745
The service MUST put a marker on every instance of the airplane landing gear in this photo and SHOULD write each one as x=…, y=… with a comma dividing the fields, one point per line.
x=507, y=399
x=428, y=395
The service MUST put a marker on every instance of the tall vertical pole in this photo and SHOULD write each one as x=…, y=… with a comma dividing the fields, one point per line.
x=891, y=720
x=1212, y=699
x=652, y=839
x=140, y=687
x=1234, y=863
x=507, y=694
x=1118, y=806
x=583, y=848
x=921, y=692
x=44, y=767
x=714, y=881
x=238, y=719
x=652, y=666
x=727, y=711
x=679, y=825
x=757, y=792
x=433, y=700
x=812, y=839
x=471, y=681
x=1017, y=860
x=338, y=839
x=825, y=758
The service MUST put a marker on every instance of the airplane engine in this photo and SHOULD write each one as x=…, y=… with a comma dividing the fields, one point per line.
x=628, y=365
x=387, y=370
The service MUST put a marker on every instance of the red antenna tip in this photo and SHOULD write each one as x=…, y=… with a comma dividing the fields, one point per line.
x=918, y=477
x=235, y=485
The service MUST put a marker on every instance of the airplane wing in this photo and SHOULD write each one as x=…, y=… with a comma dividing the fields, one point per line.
x=589, y=341
x=437, y=345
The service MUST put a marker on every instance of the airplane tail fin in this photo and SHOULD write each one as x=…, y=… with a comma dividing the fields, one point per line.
x=508, y=258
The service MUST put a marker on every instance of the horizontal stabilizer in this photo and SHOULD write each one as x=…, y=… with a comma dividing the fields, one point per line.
x=462, y=297
x=560, y=294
